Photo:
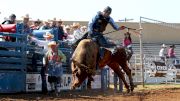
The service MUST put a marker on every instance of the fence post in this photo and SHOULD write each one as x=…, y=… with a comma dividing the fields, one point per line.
x=104, y=79
x=115, y=84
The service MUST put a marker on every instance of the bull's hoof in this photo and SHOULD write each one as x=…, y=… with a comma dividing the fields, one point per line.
x=128, y=91
x=72, y=87
x=132, y=88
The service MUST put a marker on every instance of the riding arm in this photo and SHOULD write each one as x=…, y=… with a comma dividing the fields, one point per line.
x=113, y=24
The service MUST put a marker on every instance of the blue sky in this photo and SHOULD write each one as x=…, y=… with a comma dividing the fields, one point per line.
x=84, y=10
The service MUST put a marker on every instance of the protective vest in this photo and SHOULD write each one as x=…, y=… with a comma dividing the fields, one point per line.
x=100, y=23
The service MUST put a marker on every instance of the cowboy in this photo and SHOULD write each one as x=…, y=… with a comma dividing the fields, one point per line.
x=43, y=43
x=53, y=63
x=67, y=33
x=25, y=22
x=60, y=29
x=77, y=32
x=46, y=25
x=97, y=26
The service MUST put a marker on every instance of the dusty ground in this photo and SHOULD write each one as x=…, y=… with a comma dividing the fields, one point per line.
x=149, y=93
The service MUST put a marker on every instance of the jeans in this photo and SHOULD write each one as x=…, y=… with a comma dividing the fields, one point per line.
x=43, y=78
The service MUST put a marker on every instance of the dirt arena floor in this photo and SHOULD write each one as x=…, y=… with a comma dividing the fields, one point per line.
x=149, y=93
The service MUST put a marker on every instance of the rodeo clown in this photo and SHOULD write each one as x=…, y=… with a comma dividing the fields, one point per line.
x=53, y=65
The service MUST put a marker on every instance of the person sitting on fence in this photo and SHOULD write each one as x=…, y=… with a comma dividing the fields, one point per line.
x=11, y=20
x=163, y=52
x=53, y=63
x=127, y=43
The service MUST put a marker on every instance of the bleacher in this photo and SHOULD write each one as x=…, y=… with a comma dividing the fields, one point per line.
x=153, y=48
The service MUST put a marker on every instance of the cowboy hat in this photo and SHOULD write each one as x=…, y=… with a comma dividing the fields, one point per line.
x=52, y=43
x=48, y=34
x=26, y=16
x=75, y=25
x=37, y=21
x=84, y=27
x=47, y=21
x=67, y=27
x=163, y=46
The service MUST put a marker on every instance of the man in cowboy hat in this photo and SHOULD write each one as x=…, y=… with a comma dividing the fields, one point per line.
x=53, y=63
x=67, y=33
x=27, y=28
x=77, y=32
x=163, y=52
x=46, y=25
x=60, y=29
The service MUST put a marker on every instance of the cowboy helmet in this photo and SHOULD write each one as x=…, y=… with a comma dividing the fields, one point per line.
x=107, y=9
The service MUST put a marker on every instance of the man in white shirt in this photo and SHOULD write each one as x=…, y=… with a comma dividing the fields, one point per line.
x=163, y=52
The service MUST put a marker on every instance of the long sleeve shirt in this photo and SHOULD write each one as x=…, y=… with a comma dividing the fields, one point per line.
x=95, y=20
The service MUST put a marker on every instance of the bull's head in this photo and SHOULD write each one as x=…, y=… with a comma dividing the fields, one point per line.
x=79, y=74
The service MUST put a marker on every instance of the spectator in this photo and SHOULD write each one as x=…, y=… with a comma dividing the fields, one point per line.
x=11, y=20
x=36, y=25
x=60, y=29
x=46, y=25
x=54, y=59
x=76, y=31
x=163, y=52
x=127, y=43
x=53, y=23
x=83, y=29
x=171, y=53
x=67, y=30
x=27, y=29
